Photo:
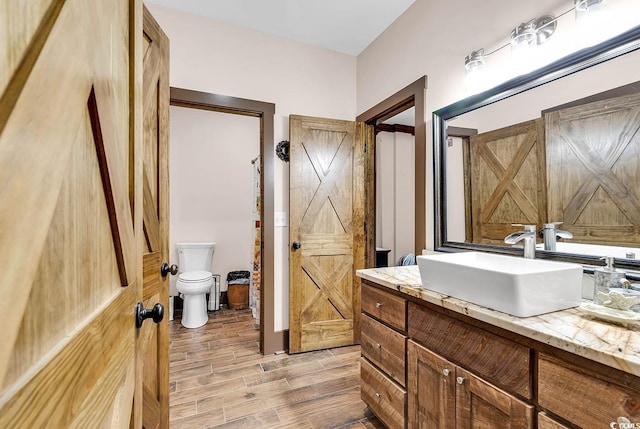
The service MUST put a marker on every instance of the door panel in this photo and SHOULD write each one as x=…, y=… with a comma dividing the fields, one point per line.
x=481, y=405
x=592, y=153
x=327, y=201
x=507, y=180
x=432, y=389
x=153, y=340
x=68, y=230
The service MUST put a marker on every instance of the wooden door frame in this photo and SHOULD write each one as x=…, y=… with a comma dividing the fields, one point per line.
x=413, y=95
x=270, y=340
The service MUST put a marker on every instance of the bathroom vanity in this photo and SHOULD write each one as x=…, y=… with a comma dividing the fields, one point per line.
x=432, y=361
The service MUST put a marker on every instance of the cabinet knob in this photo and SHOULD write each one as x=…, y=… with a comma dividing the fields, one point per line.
x=377, y=395
x=378, y=345
x=460, y=380
x=378, y=304
x=446, y=372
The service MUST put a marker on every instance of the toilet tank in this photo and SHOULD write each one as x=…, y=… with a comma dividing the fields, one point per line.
x=195, y=256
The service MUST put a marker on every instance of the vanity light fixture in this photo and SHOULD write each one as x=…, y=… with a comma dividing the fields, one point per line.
x=586, y=5
x=529, y=34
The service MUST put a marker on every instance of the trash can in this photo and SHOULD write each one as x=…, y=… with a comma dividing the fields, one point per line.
x=238, y=289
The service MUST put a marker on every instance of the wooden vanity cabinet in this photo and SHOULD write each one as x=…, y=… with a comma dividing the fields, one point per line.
x=546, y=422
x=442, y=395
x=584, y=397
x=426, y=367
x=383, y=364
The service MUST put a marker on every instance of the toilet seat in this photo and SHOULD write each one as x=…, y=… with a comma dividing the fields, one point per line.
x=195, y=276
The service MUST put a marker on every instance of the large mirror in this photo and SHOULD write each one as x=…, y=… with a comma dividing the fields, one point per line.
x=561, y=144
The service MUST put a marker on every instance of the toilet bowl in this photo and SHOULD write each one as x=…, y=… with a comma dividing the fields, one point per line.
x=194, y=281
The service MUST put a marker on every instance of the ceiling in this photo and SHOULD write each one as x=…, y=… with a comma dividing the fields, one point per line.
x=346, y=26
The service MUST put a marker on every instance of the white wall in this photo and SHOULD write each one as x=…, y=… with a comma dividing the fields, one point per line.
x=211, y=185
x=211, y=56
x=433, y=37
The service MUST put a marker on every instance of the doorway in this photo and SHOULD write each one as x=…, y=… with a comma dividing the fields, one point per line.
x=270, y=340
x=412, y=96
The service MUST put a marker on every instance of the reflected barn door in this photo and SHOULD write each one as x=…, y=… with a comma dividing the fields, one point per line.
x=507, y=180
x=327, y=240
x=70, y=213
x=593, y=155
x=153, y=339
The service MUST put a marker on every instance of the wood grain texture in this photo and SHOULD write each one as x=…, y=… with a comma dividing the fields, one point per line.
x=80, y=383
x=583, y=397
x=153, y=339
x=382, y=305
x=479, y=404
x=546, y=422
x=500, y=361
x=219, y=378
x=68, y=227
x=431, y=389
x=385, y=348
x=593, y=151
x=327, y=219
x=507, y=180
x=385, y=398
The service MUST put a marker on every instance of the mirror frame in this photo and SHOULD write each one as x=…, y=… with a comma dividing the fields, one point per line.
x=624, y=43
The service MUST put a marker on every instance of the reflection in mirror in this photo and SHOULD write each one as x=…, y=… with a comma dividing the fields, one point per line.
x=395, y=188
x=564, y=156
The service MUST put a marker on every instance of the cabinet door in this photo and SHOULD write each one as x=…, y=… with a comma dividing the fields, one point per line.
x=546, y=422
x=431, y=387
x=481, y=405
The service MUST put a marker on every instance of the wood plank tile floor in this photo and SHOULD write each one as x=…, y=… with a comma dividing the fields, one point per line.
x=219, y=379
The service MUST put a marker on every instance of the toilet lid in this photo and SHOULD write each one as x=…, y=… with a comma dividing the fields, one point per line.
x=195, y=276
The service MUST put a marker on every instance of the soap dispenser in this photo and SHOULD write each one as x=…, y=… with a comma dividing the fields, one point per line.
x=605, y=278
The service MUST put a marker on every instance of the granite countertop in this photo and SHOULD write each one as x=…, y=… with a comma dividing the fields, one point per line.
x=572, y=330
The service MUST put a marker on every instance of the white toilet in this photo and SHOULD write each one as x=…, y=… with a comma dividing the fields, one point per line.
x=194, y=281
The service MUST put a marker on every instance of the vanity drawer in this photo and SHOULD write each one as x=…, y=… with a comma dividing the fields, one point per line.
x=581, y=396
x=384, y=347
x=500, y=361
x=385, y=398
x=382, y=305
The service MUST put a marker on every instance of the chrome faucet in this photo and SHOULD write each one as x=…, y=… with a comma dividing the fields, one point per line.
x=550, y=234
x=529, y=237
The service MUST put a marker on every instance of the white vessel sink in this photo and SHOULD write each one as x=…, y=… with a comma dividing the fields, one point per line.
x=518, y=286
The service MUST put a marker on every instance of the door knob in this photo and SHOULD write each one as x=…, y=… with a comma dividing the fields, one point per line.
x=295, y=245
x=157, y=313
x=166, y=269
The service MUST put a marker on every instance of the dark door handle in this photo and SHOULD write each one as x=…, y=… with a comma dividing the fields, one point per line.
x=166, y=269
x=157, y=313
x=295, y=245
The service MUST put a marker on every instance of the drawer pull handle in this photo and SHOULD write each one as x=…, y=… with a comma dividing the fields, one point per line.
x=460, y=380
x=378, y=345
x=446, y=372
x=378, y=304
x=377, y=395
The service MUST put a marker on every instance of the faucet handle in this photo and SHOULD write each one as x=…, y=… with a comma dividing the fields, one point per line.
x=552, y=224
x=527, y=228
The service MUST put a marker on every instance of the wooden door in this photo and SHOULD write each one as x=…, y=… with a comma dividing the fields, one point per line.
x=432, y=389
x=70, y=212
x=593, y=155
x=481, y=405
x=153, y=339
x=327, y=240
x=507, y=180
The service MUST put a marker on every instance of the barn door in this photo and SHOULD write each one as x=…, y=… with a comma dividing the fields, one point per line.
x=507, y=180
x=327, y=240
x=70, y=217
x=593, y=155
x=153, y=339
